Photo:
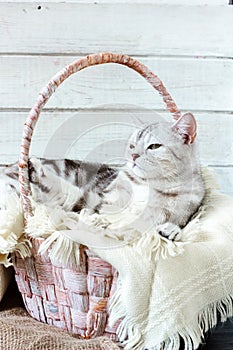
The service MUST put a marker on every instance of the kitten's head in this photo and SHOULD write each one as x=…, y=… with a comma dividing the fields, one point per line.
x=161, y=150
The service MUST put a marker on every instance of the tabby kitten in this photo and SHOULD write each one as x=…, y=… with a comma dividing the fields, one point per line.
x=159, y=188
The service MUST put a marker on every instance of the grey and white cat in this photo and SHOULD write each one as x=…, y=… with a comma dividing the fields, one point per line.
x=159, y=188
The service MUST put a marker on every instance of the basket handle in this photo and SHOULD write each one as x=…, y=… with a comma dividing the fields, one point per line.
x=50, y=88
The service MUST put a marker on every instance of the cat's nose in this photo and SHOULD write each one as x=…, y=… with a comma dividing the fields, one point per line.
x=135, y=156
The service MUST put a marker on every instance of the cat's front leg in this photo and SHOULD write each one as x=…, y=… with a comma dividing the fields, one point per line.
x=169, y=231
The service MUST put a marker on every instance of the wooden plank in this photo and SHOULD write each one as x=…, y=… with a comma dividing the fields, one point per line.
x=101, y=136
x=195, y=84
x=157, y=2
x=79, y=28
x=224, y=176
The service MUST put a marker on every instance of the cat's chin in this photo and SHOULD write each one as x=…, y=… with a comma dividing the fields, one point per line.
x=136, y=170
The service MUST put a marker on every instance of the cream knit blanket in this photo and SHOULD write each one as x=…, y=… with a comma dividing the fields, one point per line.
x=179, y=295
x=166, y=290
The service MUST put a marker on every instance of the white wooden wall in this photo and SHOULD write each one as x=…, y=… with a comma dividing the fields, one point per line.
x=189, y=44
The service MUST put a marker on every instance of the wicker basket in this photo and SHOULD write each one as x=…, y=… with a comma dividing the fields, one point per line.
x=75, y=300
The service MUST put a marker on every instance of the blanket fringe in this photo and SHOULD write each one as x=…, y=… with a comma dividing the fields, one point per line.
x=128, y=333
x=68, y=255
x=23, y=247
x=46, y=220
x=193, y=335
x=153, y=246
x=11, y=226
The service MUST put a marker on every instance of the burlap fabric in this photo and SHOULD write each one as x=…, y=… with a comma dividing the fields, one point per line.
x=18, y=331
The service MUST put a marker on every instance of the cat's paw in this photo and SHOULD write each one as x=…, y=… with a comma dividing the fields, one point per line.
x=96, y=220
x=169, y=231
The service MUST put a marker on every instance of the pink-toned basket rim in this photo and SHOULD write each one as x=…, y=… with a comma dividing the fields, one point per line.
x=53, y=84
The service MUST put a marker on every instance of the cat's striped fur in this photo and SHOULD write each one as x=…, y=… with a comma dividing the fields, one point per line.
x=160, y=186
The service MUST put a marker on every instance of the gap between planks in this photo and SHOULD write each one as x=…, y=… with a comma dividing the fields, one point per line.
x=144, y=2
x=151, y=55
x=97, y=110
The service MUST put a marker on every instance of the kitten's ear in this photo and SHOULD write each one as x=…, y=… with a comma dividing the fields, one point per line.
x=186, y=126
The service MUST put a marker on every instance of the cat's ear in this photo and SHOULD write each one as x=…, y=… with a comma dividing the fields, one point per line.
x=186, y=126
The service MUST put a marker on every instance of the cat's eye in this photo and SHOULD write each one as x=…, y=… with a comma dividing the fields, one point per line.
x=131, y=146
x=154, y=146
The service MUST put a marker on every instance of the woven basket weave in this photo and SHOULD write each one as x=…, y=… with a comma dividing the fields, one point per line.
x=73, y=299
